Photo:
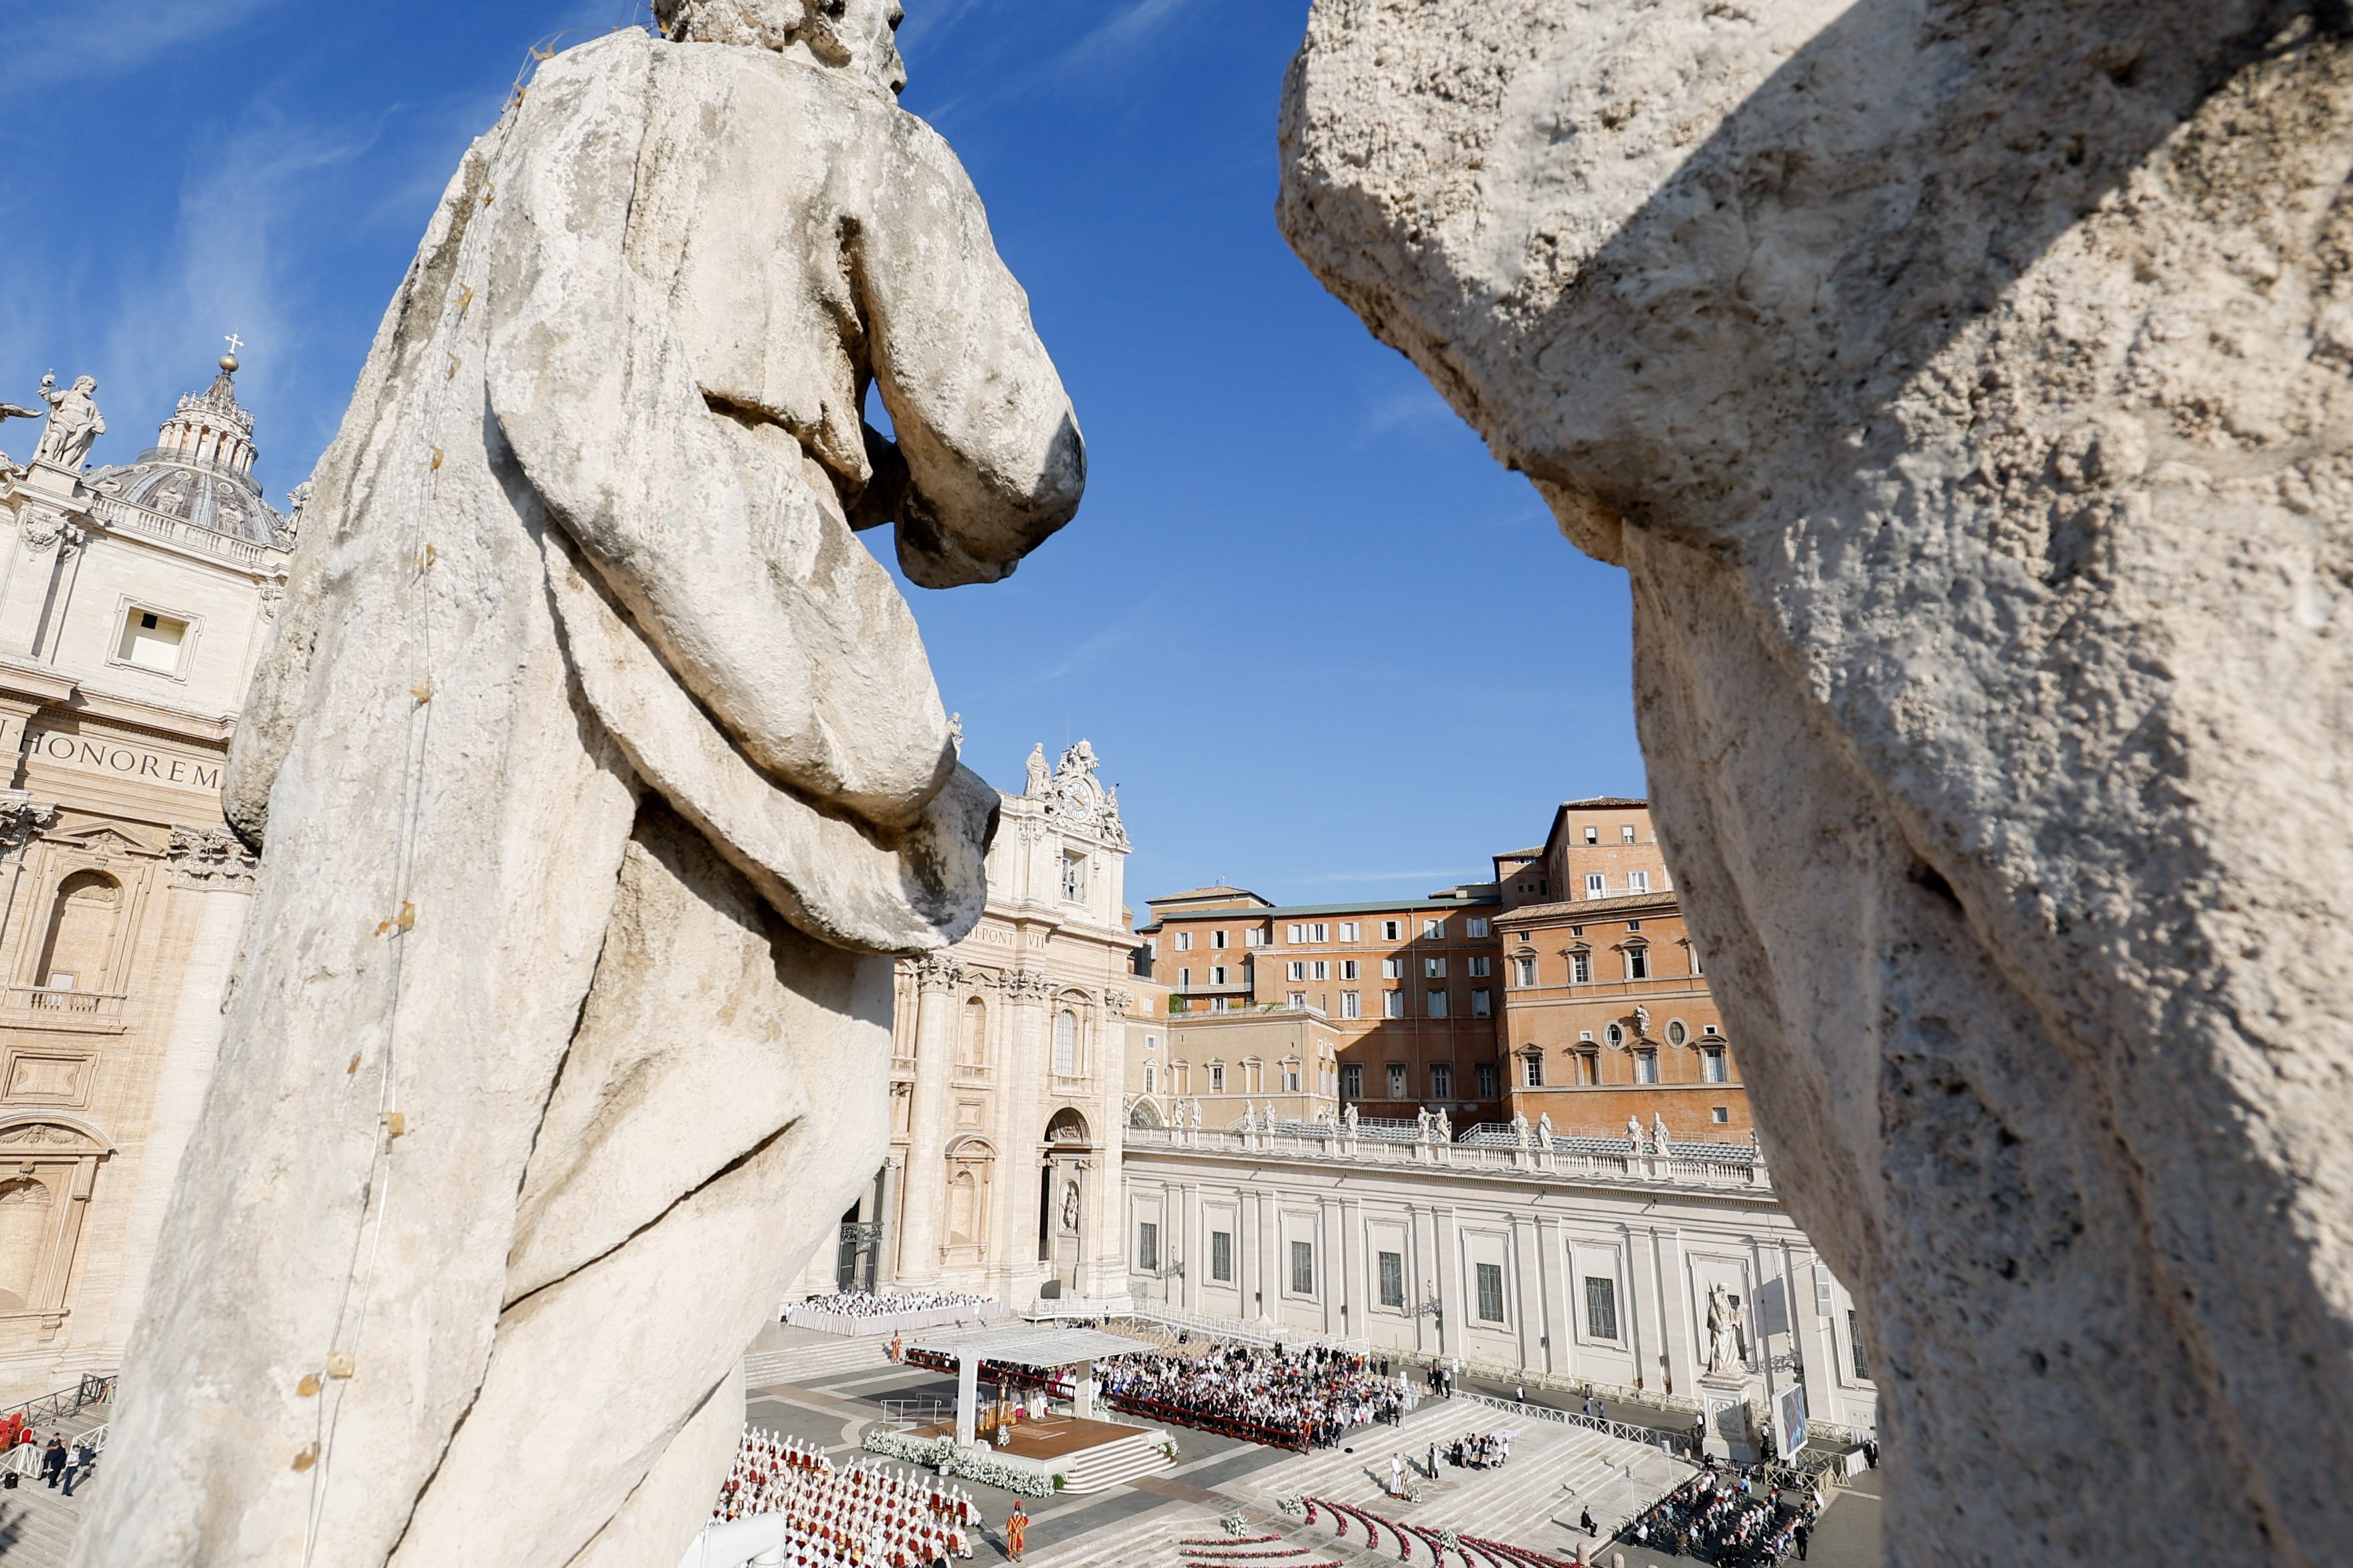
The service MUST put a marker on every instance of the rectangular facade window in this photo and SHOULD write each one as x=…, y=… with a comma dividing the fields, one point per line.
x=1486, y=1081
x=1349, y=929
x=1589, y=1070
x=1580, y=969
x=1711, y=1065
x=1532, y=1070
x=1442, y=1082
x=1479, y=962
x=1291, y=1078
x=1482, y=1002
x=1397, y=1080
x=1392, y=1278
x=1183, y=977
x=1626, y=836
x=1347, y=968
x=1302, y=1268
x=1597, y=886
x=1434, y=930
x=1299, y=998
x=1296, y=969
x=1694, y=948
x=1524, y=972
x=1638, y=882
x=1320, y=969
x=1638, y=963
x=1433, y=968
x=1646, y=1067
x=1719, y=1114
x=1184, y=941
x=1254, y=938
x=1601, y=1308
x=1392, y=1003
x=1180, y=1078
x=1352, y=1081
x=1221, y=1256
x=1593, y=836
x=1319, y=932
x=1476, y=925
x=1393, y=969
x=152, y=641
x=1217, y=939
x=1295, y=934
x=1075, y=878
x=1854, y=1338
x=1437, y=1000
x=1352, y=1005
x=1489, y=1276
x=1147, y=1246
x=1392, y=929
x=1217, y=1078
x=1216, y=974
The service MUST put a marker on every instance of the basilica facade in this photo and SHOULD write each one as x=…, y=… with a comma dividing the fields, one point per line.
x=1008, y=1082
x=135, y=601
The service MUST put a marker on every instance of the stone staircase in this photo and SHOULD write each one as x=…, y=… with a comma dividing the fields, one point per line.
x=779, y=1359
x=1115, y=1464
x=36, y=1524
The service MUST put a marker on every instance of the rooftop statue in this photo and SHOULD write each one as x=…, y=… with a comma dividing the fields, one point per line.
x=74, y=422
x=600, y=772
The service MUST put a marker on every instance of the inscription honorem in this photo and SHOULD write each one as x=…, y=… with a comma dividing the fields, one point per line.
x=132, y=761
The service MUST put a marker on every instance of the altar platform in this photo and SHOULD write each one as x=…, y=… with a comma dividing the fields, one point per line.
x=1090, y=1456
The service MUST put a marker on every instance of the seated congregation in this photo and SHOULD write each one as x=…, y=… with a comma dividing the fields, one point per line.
x=859, y=1516
x=1287, y=1399
x=1725, y=1519
x=868, y=1304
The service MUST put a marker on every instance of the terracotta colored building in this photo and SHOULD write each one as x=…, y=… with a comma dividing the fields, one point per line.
x=1607, y=1011
x=1398, y=1001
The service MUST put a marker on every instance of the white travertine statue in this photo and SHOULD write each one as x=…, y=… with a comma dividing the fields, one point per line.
x=601, y=771
x=1964, y=390
x=74, y=422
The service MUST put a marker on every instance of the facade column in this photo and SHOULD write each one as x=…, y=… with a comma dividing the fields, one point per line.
x=1641, y=1284
x=211, y=870
x=1422, y=1275
x=1331, y=1265
x=893, y=1186
x=1021, y=1048
x=1357, y=1322
x=1106, y=1068
x=1527, y=1293
x=936, y=980
x=1677, y=1340
x=1449, y=1276
x=1196, y=1247
x=1560, y=1307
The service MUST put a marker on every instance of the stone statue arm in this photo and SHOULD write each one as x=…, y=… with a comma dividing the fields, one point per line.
x=706, y=530
x=994, y=459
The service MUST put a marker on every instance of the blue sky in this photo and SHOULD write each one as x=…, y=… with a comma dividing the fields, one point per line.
x=1326, y=646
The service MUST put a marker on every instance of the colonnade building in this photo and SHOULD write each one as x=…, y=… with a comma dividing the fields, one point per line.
x=135, y=601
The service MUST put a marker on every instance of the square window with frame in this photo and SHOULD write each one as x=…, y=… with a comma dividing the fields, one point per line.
x=1348, y=932
x=1482, y=1002
x=1392, y=1270
x=1601, y=1308
x=1475, y=925
x=1490, y=1280
x=1433, y=969
x=1433, y=931
x=151, y=640
x=1392, y=929
x=1295, y=969
x=1596, y=884
x=1217, y=939
x=1393, y=969
x=1436, y=1002
x=1320, y=970
x=1298, y=999
x=1392, y=1003
x=1347, y=968
x=1479, y=962
x=1184, y=941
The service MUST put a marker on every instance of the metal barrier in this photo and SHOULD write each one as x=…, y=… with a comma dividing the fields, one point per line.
x=1666, y=1441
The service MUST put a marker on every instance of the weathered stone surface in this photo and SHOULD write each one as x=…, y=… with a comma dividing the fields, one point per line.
x=600, y=770
x=1964, y=389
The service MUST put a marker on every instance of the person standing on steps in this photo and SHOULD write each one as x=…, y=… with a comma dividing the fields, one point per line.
x=53, y=1460
x=77, y=1458
x=1397, y=1475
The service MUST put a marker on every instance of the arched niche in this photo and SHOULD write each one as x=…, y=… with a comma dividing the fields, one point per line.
x=49, y=1166
x=85, y=918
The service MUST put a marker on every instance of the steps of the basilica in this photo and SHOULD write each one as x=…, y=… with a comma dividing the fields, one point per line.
x=1115, y=1464
x=37, y=1525
x=801, y=1357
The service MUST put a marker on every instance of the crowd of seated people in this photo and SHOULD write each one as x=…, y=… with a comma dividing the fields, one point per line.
x=867, y=1304
x=860, y=1516
x=1288, y=1399
x=1725, y=1519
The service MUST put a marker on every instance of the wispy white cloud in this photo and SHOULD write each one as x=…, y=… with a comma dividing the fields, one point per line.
x=1123, y=33
x=53, y=43
x=1128, y=628
x=1413, y=407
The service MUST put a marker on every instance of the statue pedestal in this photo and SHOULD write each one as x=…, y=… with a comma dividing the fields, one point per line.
x=49, y=480
x=1731, y=1432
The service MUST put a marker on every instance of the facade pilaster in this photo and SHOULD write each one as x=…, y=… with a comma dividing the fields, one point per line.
x=213, y=871
x=1552, y=1285
x=918, y=1251
x=1022, y=1048
x=1677, y=1343
x=1449, y=1278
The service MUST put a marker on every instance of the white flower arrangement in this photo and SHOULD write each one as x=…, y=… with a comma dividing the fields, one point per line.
x=1293, y=1505
x=892, y=1444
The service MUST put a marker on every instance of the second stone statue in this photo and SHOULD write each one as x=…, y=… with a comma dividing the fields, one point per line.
x=600, y=772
